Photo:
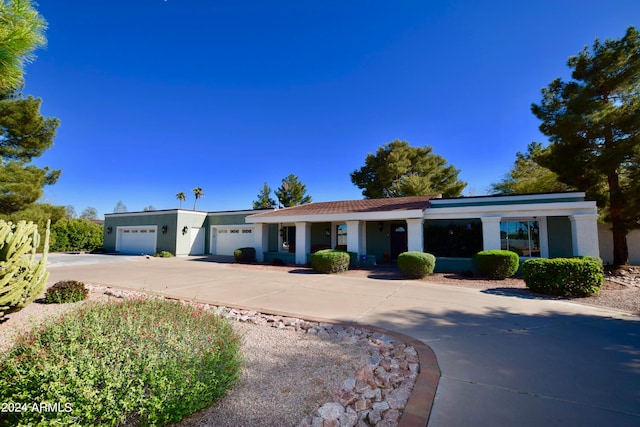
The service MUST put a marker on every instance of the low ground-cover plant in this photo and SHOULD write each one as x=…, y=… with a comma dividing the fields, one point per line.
x=497, y=264
x=163, y=254
x=135, y=362
x=245, y=255
x=563, y=276
x=330, y=261
x=65, y=291
x=416, y=265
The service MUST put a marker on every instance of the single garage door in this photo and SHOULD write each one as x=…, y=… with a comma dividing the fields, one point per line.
x=232, y=238
x=136, y=240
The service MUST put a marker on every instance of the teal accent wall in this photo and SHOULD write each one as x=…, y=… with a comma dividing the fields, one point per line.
x=230, y=219
x=274, y=233
x=455, y=265
x=490, y=202
x=319, y=234
x=559, y=235
x=378, y=242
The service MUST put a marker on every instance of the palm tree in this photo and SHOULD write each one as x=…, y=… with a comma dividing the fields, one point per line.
x=182, y=197
x=198, y=193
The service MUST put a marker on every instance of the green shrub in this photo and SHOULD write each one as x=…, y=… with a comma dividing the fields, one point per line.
x=245, y=255
x=563, y=276
x=416, y=265
x=595, y=259
x=497, y=264
x=330, y=261
x=135, y=362
x=163, y=254
x=65, y=291
x=76, y=235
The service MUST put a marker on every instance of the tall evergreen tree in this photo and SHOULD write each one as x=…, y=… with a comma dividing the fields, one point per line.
x=21, y=32
x=24, y=134
x=292, y=192
x=264, y=199
x=398, y=170
x=527, y=176
x=593, y=125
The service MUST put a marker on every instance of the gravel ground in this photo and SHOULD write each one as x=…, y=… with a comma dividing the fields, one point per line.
x=288, y=375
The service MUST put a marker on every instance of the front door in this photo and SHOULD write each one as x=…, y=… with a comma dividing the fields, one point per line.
x=398, y=240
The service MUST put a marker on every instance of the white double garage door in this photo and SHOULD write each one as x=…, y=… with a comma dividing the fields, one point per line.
x=224, y=239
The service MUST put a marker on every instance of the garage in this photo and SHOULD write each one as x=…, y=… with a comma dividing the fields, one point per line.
x=225, y=240
x=136, y=240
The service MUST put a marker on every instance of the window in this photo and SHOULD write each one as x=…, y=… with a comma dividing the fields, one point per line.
x=521, y=236
x=234, y=231
x=458, y=238
x=341, y=232
x=246, y=231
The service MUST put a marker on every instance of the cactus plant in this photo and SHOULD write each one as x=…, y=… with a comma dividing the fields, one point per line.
x=22, y=279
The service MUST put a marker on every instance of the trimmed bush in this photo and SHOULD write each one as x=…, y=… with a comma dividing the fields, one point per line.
x=497, y=264
x=563, y=276
x=76, y=234
x=163, y=254
x=245, y=255
x=330, y=261
x=133, y=362
x=65, y=291
x=416, y=265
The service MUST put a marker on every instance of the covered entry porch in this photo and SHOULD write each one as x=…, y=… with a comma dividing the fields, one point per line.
x=377, y=230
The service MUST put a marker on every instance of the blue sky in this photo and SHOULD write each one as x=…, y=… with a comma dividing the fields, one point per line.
x=157, y=97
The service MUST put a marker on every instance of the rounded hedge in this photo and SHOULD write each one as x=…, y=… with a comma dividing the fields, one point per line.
x=330, y=261
x=416, y=265
x=497, y=264
x=245, y=255
x=571, y=277
x=65, y=291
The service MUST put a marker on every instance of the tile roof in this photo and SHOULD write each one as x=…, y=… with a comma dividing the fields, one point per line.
x=353, y=206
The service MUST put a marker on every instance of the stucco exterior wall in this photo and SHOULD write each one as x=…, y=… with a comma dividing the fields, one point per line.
x=165, y=241
x=605, y=237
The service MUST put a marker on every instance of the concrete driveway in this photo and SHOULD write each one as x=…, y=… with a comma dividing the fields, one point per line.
x=505, y=360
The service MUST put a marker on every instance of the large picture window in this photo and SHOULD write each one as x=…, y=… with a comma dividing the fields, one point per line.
x=521, y=236
x=453, y=238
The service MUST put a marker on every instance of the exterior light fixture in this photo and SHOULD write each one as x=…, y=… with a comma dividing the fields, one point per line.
x=109, y=230
x=184, y=230
x=380, y=226
x=164, y=229
x=327, y=232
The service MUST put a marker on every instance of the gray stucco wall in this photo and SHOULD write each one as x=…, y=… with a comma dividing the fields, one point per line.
x=165, y=241
x=189, y=220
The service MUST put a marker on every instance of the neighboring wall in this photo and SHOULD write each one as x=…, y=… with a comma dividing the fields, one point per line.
x=605, y=238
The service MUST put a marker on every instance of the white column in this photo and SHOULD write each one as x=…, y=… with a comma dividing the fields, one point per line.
x=260, y=240
x=353, y=237
x=303, y=241
x=584, y=234
x=490, y=232
x=415, y=235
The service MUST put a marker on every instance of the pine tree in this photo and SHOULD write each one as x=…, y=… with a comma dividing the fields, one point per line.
x=593, y=125
x=292, y=192
x=264, y=199
x=398, y=170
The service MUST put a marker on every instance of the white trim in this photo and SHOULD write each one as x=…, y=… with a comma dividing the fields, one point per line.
x=153, y=213
x=524, y=210
x=342, y=217
x=514, y=198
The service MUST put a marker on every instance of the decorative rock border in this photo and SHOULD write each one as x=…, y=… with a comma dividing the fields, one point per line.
x=380, y=392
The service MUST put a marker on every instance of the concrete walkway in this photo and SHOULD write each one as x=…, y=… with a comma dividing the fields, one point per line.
x=505, y=360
